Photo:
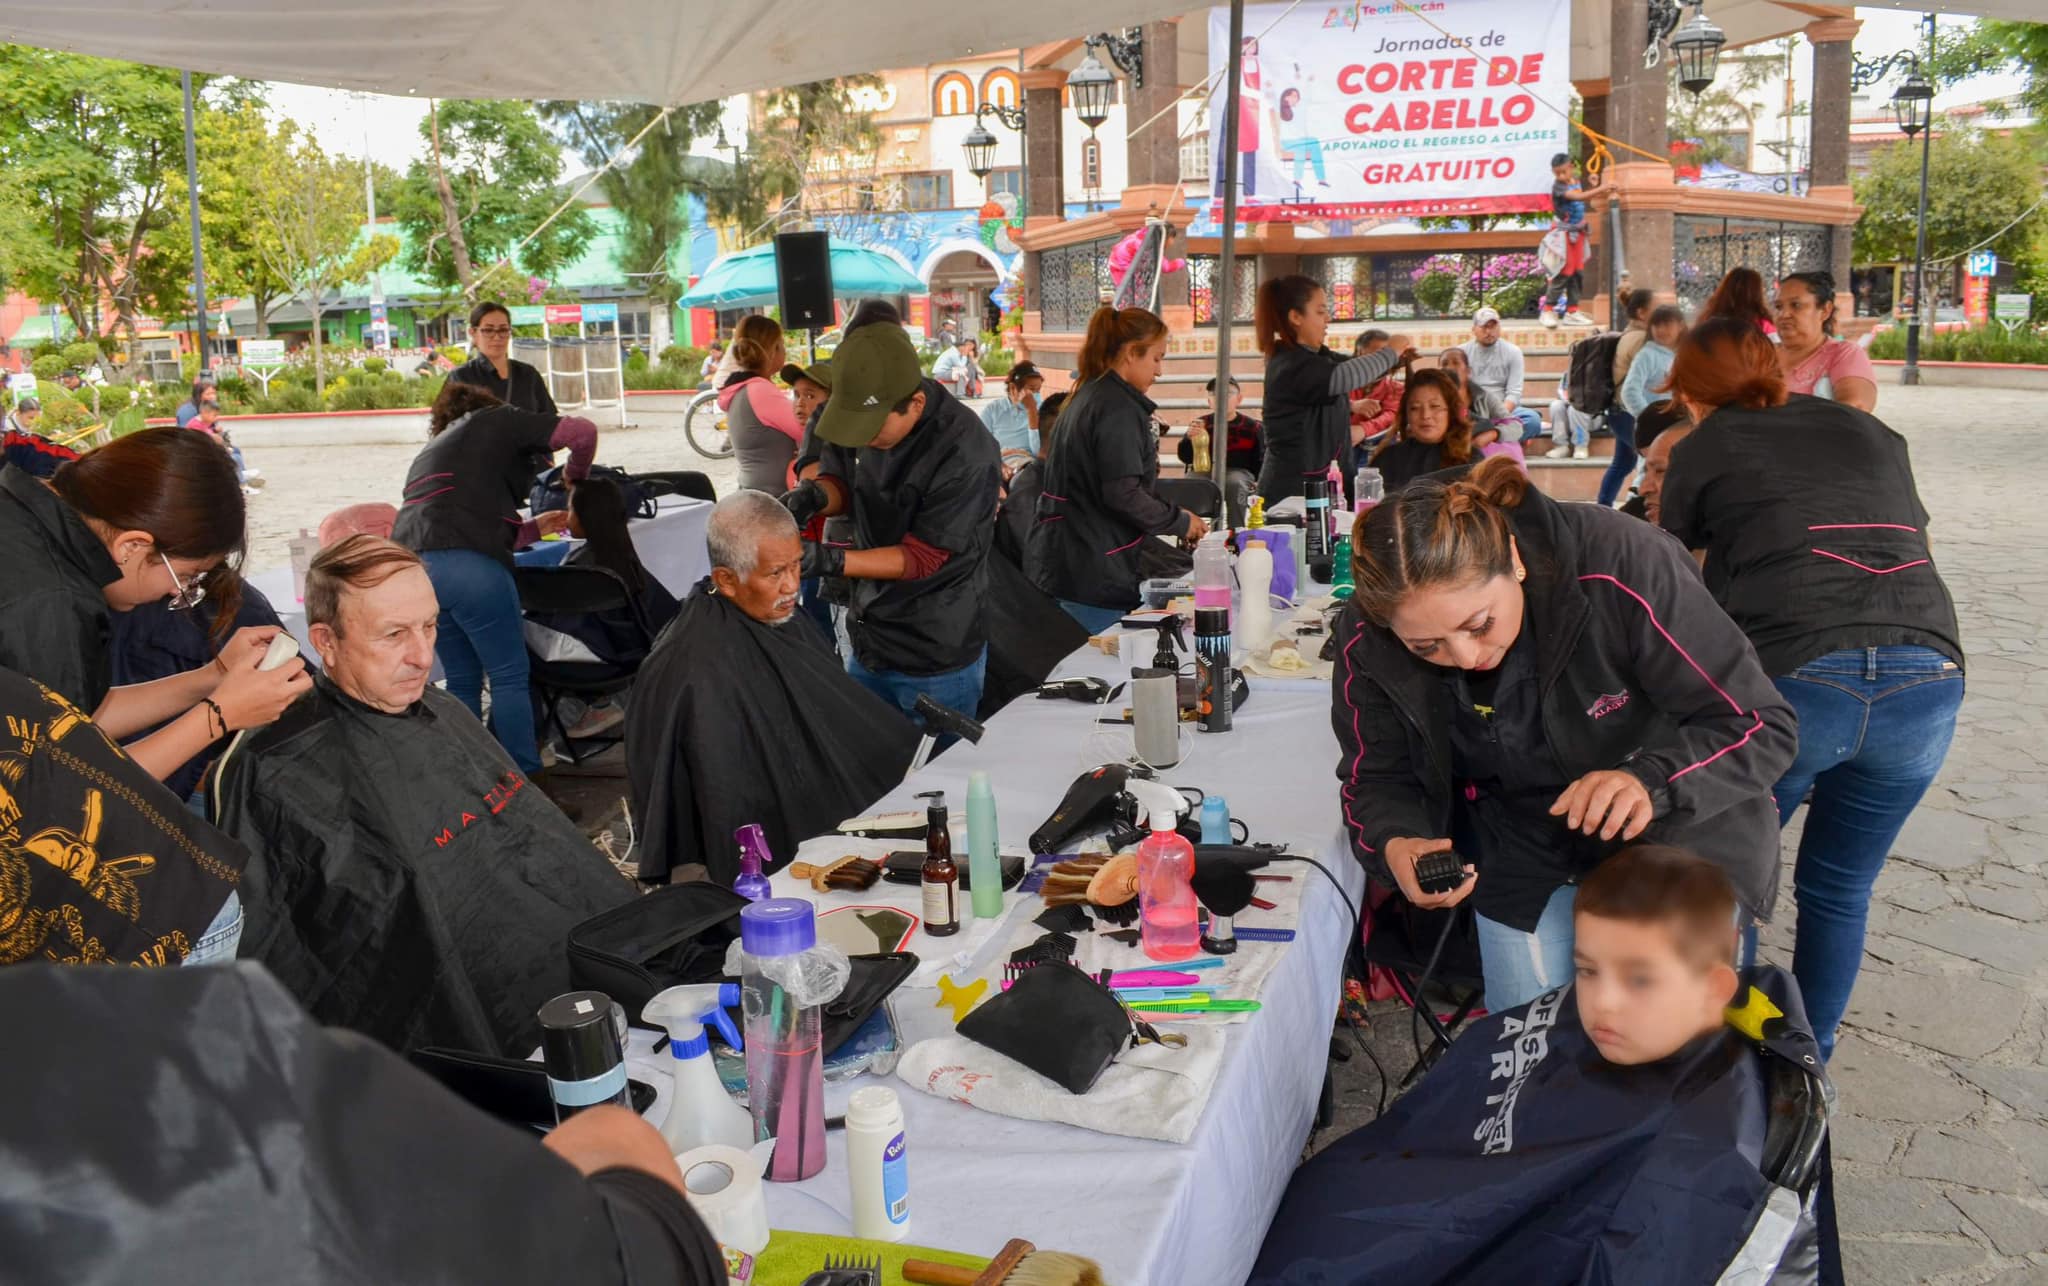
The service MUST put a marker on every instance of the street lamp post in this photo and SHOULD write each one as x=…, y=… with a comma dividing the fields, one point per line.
x=1913, y=108
x=1697, y=45
x=980, y=145
x=192, y=201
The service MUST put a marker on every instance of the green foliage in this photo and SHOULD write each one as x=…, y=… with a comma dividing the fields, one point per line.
x=89, y=145
x=240, y=152
x=1729, y=106
x=491, y=176
x=47, y=367
x=375, y=365
x=683, y=355
x=814, y=148
x=1990, y=46
x=82, y=354
x=1976, y=185
x=636, y=360
x=662, y=375
x=288, y=399
x=63, y=414
x=1991, y=343
x=648, y=186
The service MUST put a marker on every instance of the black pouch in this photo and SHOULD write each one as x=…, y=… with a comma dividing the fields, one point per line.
x=907, y=867
x=1058, y=1022
x=670, y=937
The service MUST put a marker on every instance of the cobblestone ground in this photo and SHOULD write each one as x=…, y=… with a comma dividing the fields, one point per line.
x=1941, y=1139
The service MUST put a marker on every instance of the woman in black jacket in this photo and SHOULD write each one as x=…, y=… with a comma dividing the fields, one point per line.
x=1432, y=431
x=1308, y=387
x=461, y=516
x=1534, y=685
x=494, y=370
x=1097, y=504
x=1816, y=545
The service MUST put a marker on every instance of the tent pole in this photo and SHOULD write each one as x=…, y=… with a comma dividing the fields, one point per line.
x=1223, y=290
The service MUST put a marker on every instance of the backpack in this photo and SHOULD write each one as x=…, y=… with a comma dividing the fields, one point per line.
x=549, y=493
x=1591, y=374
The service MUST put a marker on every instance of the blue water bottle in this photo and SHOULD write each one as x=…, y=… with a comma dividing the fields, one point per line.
x=1215, y=820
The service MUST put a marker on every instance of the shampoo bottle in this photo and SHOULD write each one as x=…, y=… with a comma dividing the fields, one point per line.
x=984, y=859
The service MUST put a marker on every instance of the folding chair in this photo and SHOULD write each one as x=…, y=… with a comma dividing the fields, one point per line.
x=679, y=482
x=1196, y=495
x=1421, y=947
x=576, y=591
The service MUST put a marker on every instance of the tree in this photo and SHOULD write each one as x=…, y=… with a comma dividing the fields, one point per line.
x=1989, y=46
x=88, y=143
x=812, y=156
x=1730, y=105
x=240, y=153
x=648, y=187
x=312, y=231
x=1977, y=184
x=490, y=179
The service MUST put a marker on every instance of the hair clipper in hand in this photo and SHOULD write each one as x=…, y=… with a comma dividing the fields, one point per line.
x=1439, y=872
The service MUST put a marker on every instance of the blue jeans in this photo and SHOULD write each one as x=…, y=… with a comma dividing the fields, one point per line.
x=1093, y=619
x=1522, y=966
x=1307, y=148
x=1874, y=725
x=217, y=945
x=1623, y=426
x=957, y=690
x=482, y=634
x=1532, y=427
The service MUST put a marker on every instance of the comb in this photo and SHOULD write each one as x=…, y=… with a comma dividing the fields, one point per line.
x=849, y=872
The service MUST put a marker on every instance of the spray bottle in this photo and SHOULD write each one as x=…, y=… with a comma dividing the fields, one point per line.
x=751, y=884
x=1167, y=908
x=700, y=1112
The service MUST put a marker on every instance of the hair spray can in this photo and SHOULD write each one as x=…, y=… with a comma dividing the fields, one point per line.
x=1315, y=494
x=1212, y=667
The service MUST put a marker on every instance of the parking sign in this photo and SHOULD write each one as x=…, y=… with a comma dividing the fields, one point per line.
x=1983, y=263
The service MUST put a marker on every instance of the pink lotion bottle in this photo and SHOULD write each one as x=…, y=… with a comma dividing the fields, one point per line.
x=1168, y=913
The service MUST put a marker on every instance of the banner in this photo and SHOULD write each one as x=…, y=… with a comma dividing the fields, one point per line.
x=1440, y=107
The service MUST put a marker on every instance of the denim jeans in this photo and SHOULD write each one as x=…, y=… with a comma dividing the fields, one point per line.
x=217, y=945
x=1874, y=725
x=1095, y=620
x=1623, y=426
x=482, y=634
x=1522, y=966
x=958, y=690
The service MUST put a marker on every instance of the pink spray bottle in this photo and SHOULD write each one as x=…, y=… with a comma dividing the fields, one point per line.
x=1167, y=908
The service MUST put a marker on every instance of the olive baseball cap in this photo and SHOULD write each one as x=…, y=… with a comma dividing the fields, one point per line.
x=818, y=373
x=873, y=369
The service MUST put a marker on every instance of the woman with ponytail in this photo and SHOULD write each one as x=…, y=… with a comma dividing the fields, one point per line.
x=1099, y=505
x=1308, y=388
x=1816, y=544
x=1534, y=685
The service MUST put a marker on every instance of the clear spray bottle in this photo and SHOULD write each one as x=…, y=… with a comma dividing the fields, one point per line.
x=700, y=1112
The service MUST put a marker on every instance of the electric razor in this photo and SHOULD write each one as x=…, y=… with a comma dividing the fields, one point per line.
x=1095, y=802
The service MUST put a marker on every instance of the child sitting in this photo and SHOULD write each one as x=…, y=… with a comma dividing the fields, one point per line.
x=1608, y=1131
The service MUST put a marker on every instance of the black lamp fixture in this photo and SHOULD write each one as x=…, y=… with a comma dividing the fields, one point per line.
x=1697, y=45
x=1913, y=108
x=1091, y=86
x=1913, y=104
x=980, y=145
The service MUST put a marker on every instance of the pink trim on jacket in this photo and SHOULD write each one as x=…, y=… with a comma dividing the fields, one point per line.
x=1357, y=735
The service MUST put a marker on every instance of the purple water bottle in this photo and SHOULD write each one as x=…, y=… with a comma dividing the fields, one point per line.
x=751, y=884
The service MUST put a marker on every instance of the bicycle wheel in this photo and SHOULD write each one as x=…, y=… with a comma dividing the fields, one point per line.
x=704, y=425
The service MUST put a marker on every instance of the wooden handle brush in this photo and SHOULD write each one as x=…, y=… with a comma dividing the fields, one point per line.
x=849, y=872
x=1019, y=1263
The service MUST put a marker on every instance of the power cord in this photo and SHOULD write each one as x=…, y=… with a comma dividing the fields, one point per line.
x=1422, y=983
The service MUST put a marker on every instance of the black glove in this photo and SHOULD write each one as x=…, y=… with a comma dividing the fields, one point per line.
x=806, y=501
x=822, y=560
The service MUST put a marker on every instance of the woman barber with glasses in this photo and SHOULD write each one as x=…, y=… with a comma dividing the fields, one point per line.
x=493, y=369
x=153, y=515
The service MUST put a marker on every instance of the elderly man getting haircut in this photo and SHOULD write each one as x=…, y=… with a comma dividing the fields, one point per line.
x=404, y=879
x=742, y=714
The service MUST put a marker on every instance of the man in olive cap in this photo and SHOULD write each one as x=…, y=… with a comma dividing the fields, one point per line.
x=919, y=475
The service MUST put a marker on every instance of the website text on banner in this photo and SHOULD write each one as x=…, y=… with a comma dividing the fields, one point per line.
x=1372, y=109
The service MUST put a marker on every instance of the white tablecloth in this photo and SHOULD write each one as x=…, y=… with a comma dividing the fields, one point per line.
x=1192, y=1214
x=671, y=545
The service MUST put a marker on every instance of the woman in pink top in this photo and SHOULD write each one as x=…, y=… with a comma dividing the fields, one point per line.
x=1813, y=360
x=765, y=433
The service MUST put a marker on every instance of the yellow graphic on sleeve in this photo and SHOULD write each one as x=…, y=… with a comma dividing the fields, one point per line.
x=74, y=853
x=1756, y=1010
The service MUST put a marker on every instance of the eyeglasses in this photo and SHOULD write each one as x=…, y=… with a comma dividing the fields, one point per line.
x=189, y=593
x=494, y=331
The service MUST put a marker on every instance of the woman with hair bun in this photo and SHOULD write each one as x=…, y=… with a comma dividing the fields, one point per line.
x=151, y=516
x=1535, y=685
x=763, y=424
x=1816, y=544
x=1098, y=504
x=1307, y=401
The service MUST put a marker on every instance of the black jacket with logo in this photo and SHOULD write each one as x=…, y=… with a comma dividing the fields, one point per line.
x=1096, y=503
x=54, y=622
x=939, y=485
x=524, y=389
x=1638, y=669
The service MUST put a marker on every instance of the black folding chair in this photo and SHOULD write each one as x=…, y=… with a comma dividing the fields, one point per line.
x=1196, y=495
x=1424, y=949
x=577, y=591
x=679, y=482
